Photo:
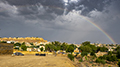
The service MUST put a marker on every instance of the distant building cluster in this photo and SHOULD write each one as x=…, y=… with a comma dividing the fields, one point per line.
x=29, y=41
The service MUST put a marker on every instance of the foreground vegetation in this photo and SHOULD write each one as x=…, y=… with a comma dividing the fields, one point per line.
x=84, y=50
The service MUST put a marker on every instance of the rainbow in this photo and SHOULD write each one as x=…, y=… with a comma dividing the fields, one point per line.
x=95, y=25
x=89, y=21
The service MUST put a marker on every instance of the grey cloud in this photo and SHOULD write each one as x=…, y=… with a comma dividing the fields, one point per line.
x=89, y=5
x=51, y=4
x=46, y=19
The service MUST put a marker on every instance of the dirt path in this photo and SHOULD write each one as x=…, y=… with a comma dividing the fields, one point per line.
x=35, y=61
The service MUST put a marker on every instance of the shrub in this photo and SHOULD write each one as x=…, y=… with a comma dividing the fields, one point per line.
x=3, y=42
x=119, y=62
x=85, y=49
x=16, y=48
x=41, y=48
x=103, y=49
x=109, y=58
x=100, y=57
x=118, y=54
x=81, y=60
x=84, y=53
x=71, y=57
x=92, y=53
x=86, y=58
x=110, y=53
x=24, y=47
x=104, y=56
x=100, y=61
x=17, y=44
x=114, y=58
x=97, y=60
x=103, y=61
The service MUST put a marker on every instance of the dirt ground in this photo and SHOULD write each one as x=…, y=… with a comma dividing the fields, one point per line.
x=35, y=61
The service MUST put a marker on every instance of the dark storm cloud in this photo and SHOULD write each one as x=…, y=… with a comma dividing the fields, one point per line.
x=89, y=5
x=26, y=7
x=29, y=6
x=45, y=18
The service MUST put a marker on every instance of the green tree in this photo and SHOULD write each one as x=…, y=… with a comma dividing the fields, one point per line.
x=118, y=54
x=56, y=43
x=85, y=49
x=24, y=47
x=74, y=46
x=3, y=42
x=23, y=43
x=70, y=49
x=47, y=48
x=41, y=44
x=86, y=43
x=41, y=48
x=100, y=61
x=114, y=58
x=71, y=57
x=92, y=54
x=31, y=43
x=118, y=48
x=119, y=62
x=17, y=44
x=103, y=49
x=84, y=54
x=93, y=47
x=63, y=46
x=110, y=53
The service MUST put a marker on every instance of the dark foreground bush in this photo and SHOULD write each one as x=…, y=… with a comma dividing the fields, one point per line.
x=119, y=62
x=84, y=54
x=100, y=61
x=71, y=57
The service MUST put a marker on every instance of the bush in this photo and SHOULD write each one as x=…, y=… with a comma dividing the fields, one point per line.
x=114, y=52
x=110, y=53
x=119, y=62
x=100, y=61
x=103, y=49
x=84, y=53
x=100, y=57
x=114, y=58
x=104, y=56
x=81, y=60
x=85, y=49
x=17, y=44
x=103, y=61
x=41, y=48
x=71, y=57
x=111, y=58
x=16, y=48
x=3, y=42
x=118, y=54
x=70, y=49
x=93, y=54
x=24, y=47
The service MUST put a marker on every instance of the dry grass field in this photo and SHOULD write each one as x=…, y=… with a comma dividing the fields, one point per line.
x=35, y=61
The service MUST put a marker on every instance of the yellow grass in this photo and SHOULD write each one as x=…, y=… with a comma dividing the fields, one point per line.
x=35, y=61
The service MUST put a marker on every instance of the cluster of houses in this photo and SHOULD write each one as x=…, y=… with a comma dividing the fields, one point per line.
x=37, y=41
x=27, y=40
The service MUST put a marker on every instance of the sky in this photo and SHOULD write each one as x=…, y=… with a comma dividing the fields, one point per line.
x=71, y=21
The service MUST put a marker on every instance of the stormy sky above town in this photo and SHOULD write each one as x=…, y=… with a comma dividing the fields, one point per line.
x=61, y=20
